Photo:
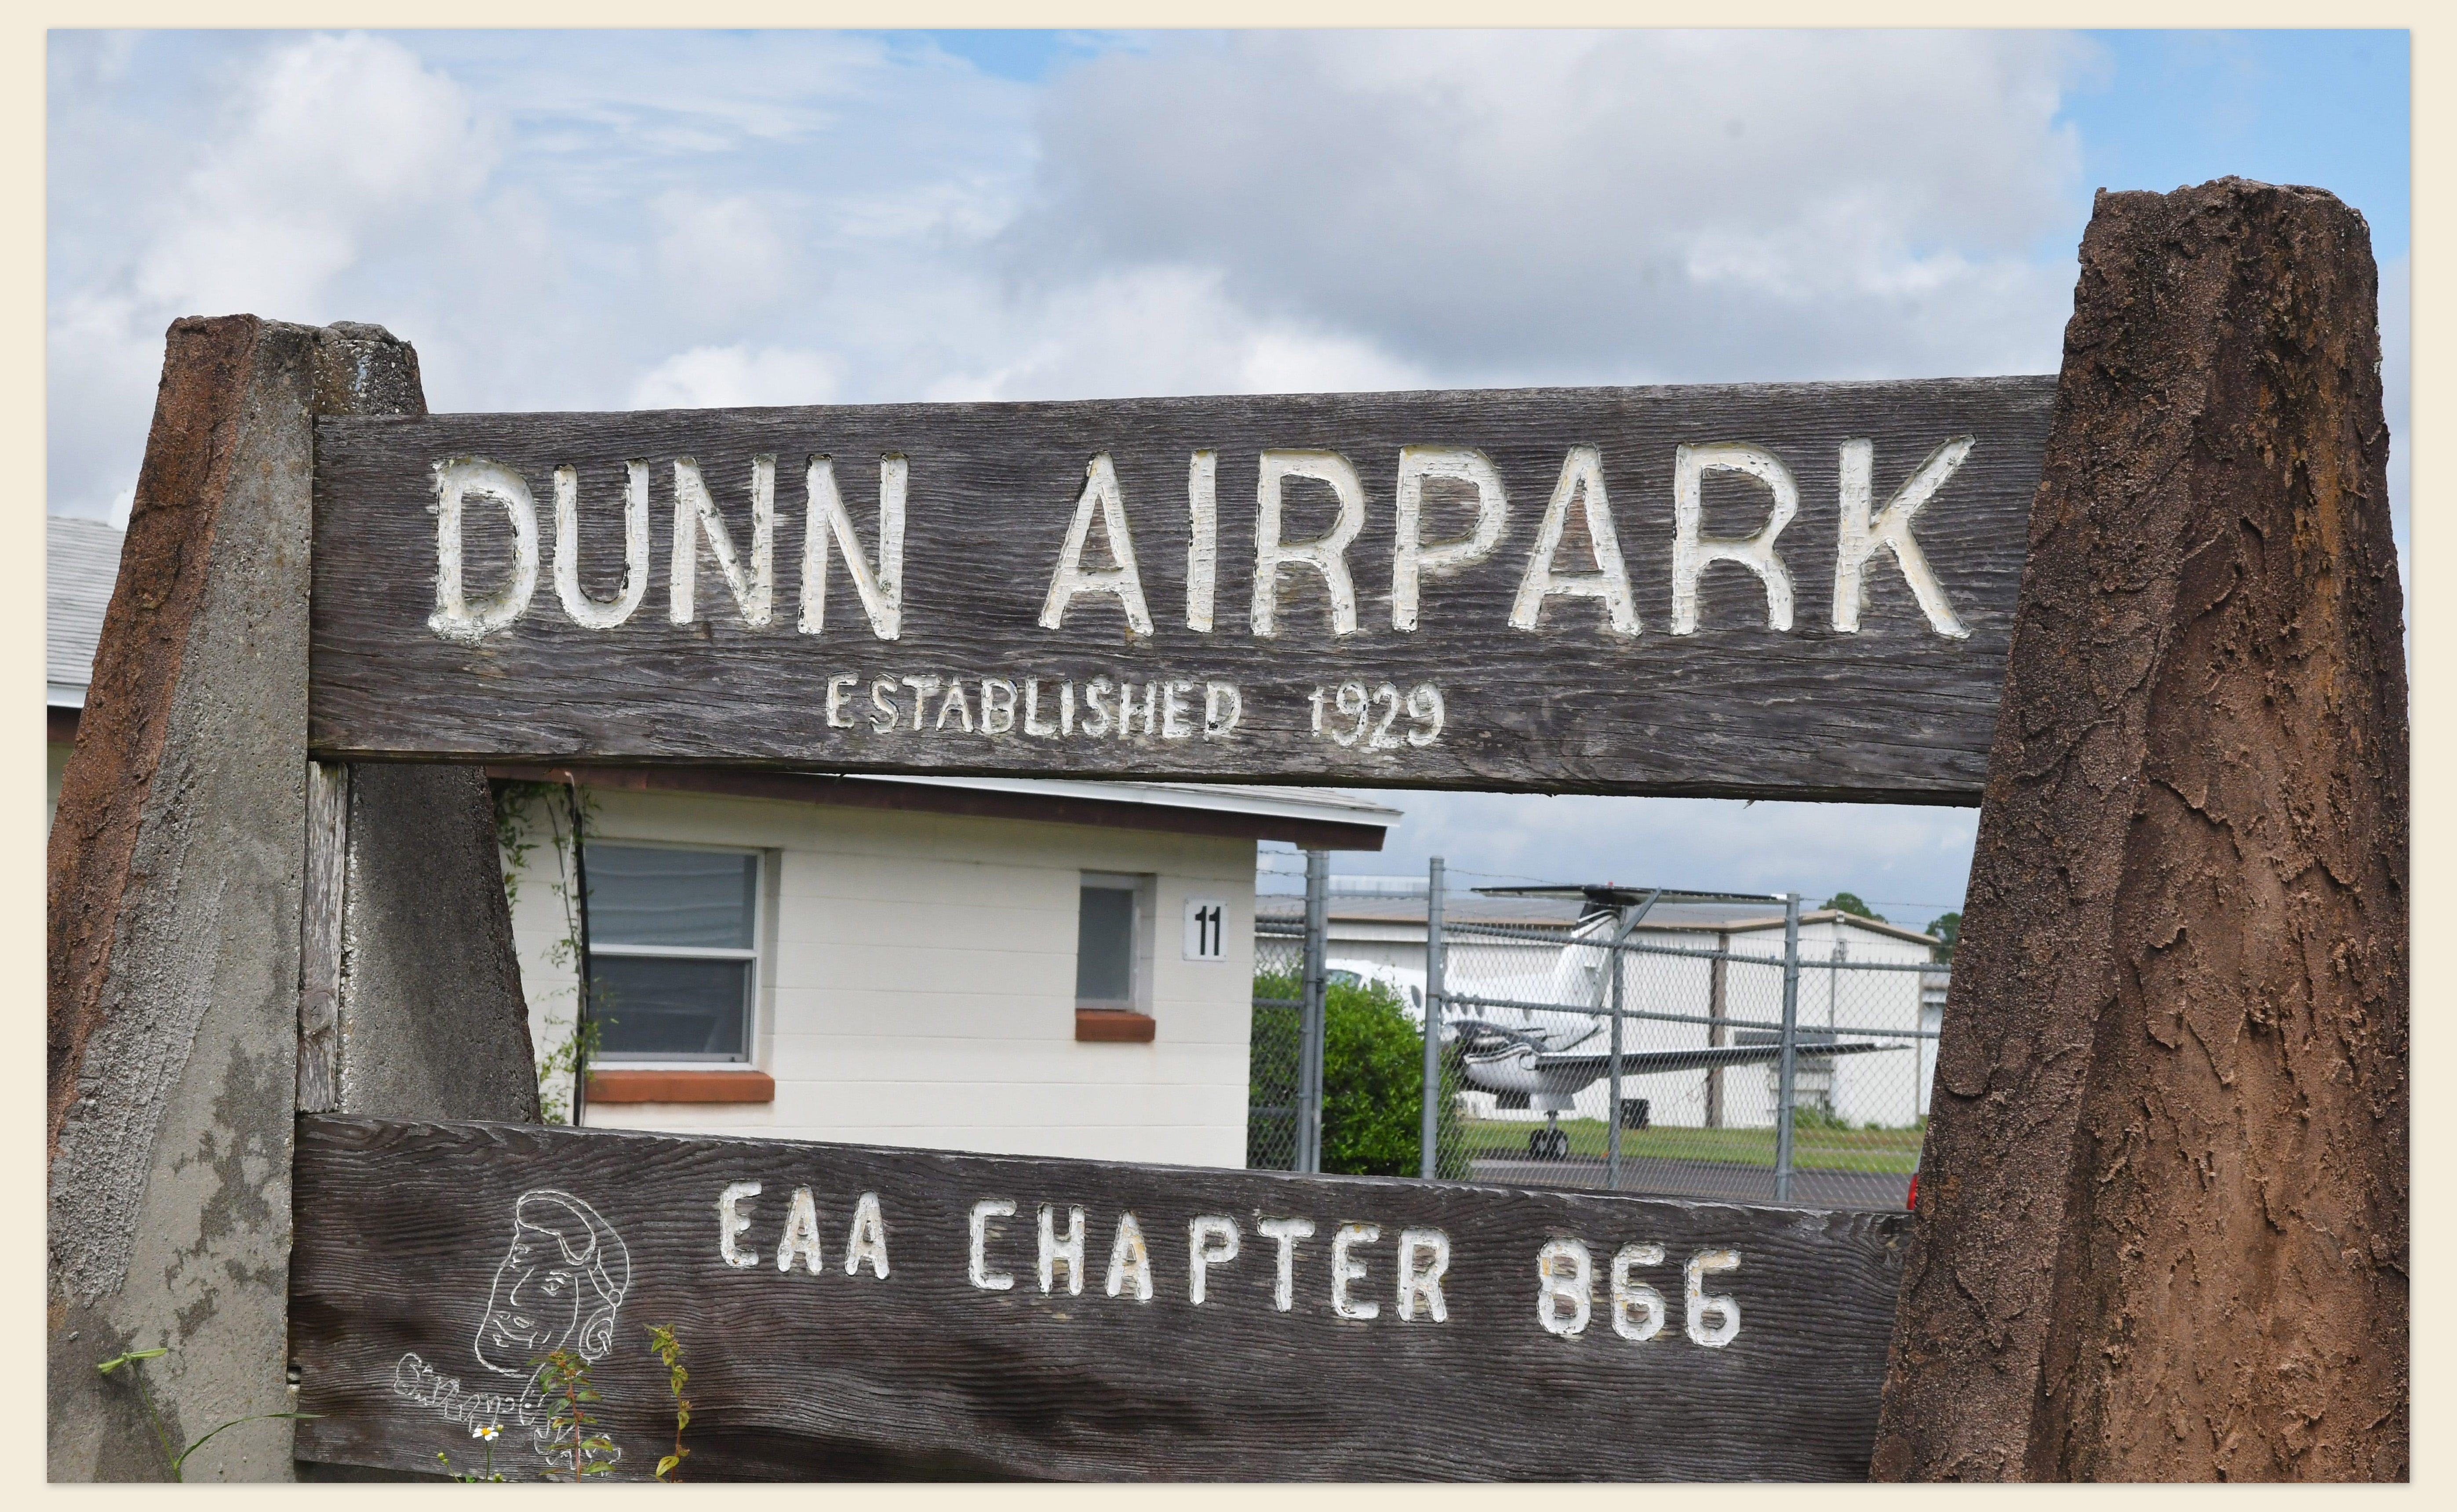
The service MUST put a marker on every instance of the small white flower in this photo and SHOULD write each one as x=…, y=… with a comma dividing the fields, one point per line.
x=486, y=1432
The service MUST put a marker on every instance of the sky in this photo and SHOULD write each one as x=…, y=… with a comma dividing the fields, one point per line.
x=616, y=220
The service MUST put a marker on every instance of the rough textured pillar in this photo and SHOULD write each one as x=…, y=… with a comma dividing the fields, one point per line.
x=427, y=1019
x=175, y=914
x=2162, y=1224
x=432, y=1021
x=174, y=934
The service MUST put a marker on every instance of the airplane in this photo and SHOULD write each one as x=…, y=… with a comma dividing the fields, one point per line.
x=1543, y=1057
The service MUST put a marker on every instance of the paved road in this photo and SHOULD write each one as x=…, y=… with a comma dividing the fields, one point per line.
x=1707, y=1178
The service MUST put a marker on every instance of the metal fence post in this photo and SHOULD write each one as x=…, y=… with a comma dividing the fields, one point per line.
x=1784, y=1099
x=1429, y=1147
x=1612, y=1117
x=1311, y=1026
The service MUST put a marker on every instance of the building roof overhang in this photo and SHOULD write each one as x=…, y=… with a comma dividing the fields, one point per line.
x=1323, y=820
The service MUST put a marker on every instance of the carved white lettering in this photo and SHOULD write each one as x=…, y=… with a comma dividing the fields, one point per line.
x=998, y=714
x=1072, y=578
x=1413, y=561
x=955, y=703
x=1344, y=1270
x=1581, y=483
x=731, y=1222
x=1565, y=1274
x=1172, y=711
x=586, y=611
x=1891, y=531
x=922, y=685
x=881, y=589
x=1727, y=1310
x=458, y=617
x=976, y=1261
x=1128, y=713
x=838, y=686
x=882, y=698
x=1222, y=706
x=1326, y=554
x=1130, y=1260
x=868, y=1240
x=1202, y=538
x=801, y=1233
x=1628, y=1295
x=1286, y=1231
x=1424, y=1258
x=1096, y=709
x=1692, y=552
x=697, y=517
x=1209, y=1240
x=1426, y=712
x=1033, y=723
x=1068, y=1252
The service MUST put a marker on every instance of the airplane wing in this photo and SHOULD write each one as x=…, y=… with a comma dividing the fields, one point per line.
x=1645, y=1062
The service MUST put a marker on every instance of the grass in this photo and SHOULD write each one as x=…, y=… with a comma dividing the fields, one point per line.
x=1886, y=1151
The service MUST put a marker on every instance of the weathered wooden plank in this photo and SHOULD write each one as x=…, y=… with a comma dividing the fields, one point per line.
x=1898, y=709
x=408, y=1246
x=319, y=936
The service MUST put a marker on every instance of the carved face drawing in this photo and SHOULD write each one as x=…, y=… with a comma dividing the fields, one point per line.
x=558, y=1287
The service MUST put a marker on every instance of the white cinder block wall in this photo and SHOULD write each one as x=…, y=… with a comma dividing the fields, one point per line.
x=917, y=982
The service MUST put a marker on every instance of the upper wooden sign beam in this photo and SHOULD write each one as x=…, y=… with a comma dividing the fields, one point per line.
x=1800, y=591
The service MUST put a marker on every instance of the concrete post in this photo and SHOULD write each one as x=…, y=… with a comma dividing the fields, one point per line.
x=2164, y=1202
x=176, y=1000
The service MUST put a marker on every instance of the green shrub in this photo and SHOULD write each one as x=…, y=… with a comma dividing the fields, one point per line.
x=1372, y=1079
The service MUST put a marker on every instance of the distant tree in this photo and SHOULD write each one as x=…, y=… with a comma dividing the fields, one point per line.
x=1947, y=929
x=1849, y=902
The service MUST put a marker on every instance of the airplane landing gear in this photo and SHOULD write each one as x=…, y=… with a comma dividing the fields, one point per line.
x=1552, y=1142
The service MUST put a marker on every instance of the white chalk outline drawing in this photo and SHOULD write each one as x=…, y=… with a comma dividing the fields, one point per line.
x=559, y=1285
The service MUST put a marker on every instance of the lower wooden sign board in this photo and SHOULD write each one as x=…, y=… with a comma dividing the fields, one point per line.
x=851, y=1312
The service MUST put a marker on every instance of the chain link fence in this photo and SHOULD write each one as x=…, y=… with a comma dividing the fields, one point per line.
x=1738, y=1058
x=1274, y=1091
x=1713, y=1045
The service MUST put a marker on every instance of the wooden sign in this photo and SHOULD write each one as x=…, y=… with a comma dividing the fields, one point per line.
x=1799, y=591
x=853, y=1313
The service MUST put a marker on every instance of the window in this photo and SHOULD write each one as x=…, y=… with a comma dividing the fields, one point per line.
x=672, y=956
x=1109, y=932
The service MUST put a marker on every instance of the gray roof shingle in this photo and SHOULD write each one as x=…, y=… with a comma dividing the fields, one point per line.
x=81, y=563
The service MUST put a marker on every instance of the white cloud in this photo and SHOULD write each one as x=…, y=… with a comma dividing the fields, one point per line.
x=722, y=254
x=719, y=376
x=1164, y=330
x=301, y=159
x=339, y=141
x=1553, y=205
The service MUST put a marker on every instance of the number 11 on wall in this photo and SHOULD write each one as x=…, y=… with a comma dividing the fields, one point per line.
x=1206, y=929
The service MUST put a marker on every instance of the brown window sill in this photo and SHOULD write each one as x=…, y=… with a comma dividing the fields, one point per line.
x=681, y=1086
x=1113, y=1025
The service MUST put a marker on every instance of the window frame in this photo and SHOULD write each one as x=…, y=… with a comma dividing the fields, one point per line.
x=1139, y=889
x=755, y=991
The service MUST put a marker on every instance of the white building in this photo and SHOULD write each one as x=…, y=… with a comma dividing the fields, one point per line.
x=1018, y=967
x=1040, y=968
x=1524, y=949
